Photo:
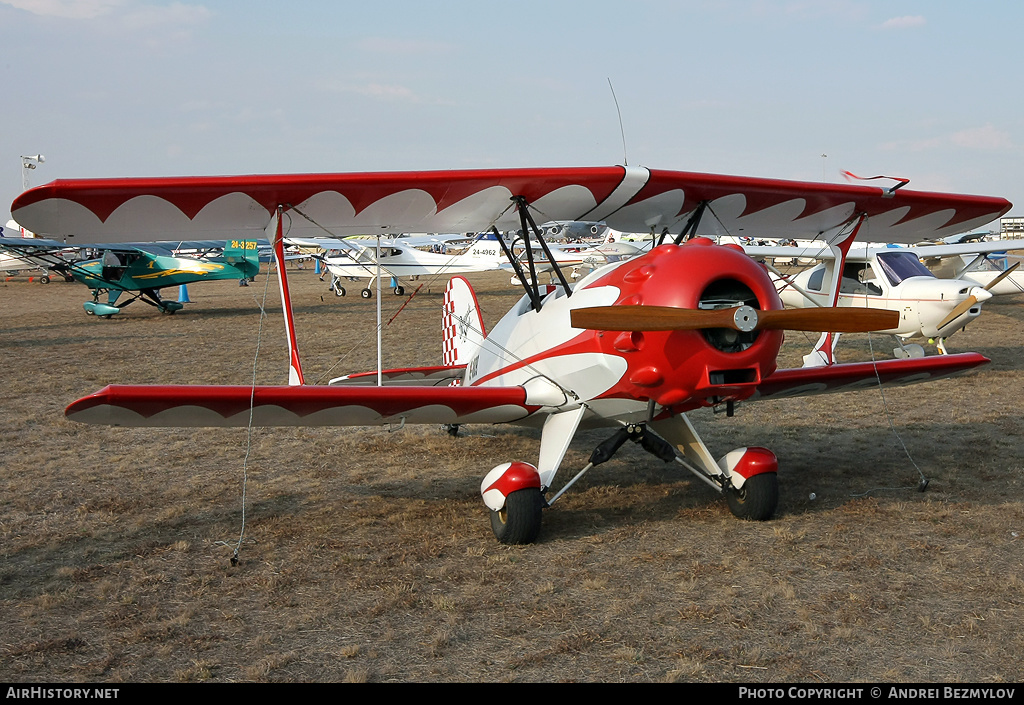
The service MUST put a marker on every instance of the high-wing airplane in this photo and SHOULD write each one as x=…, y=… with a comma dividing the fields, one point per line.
x=983, y=262
x=633, y=346
x=892, y=278
x=140, y=269
x=13, y=264
x=399, y=259
x=17, y=264
x=433, y=255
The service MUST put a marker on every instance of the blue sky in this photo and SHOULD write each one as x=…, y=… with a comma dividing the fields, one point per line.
x=925, y=90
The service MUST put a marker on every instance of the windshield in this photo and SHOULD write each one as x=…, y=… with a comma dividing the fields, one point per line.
x=901, y=265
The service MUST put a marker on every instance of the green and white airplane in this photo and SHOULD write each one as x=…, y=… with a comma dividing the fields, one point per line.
x=140, y=270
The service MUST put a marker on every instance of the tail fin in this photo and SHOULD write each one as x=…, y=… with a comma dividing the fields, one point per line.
x=462, y=323
x=244, y=255
x=486, y=251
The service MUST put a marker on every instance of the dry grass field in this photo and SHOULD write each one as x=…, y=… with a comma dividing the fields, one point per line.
x=367, y=554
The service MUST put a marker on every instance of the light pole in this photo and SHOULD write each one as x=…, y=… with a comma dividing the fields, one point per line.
x=26, y=165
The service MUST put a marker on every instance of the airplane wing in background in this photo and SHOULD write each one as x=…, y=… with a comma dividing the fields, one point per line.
x=923, y=252
x=631, y=199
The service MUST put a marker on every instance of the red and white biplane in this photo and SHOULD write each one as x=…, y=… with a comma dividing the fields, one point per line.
x=634, y=345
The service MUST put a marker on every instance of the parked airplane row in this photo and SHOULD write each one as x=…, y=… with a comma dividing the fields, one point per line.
x=885, y=277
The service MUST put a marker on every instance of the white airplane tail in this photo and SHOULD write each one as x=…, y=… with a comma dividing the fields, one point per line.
x=462, y=323
x=485, y=251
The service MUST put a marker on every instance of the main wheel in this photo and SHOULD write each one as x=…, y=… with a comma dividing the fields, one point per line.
x=757, y=499
x=339, y=290
x=366, y=293
x=399, y=290
x=519, y=521
x=44, y=279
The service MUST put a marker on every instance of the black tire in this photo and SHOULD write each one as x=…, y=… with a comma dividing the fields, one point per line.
x=44, y=279
x=519, y=521
x=366, y=293
x=399, y=290
x=757, y=499
x=339, y=291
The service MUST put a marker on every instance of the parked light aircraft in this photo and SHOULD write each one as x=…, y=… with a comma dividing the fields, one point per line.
x=399, y=259
x=17, y=264
x=140, y=269
x=13, y=264
x=892, y=278
x=547, y=258
x=633, y=346
x=432, y=255
x=979, y=261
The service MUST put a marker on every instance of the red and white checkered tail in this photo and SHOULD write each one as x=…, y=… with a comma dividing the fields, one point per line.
x=463, y=325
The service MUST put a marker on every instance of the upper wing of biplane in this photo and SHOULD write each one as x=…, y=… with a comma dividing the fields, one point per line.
x=630, y=199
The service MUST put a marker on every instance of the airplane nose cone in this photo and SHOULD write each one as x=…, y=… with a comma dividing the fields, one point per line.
x=980, y=294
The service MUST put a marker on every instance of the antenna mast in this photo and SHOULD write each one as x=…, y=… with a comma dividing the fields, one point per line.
x=625, y=161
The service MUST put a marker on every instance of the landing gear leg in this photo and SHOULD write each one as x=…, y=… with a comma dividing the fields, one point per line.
x=747, y=476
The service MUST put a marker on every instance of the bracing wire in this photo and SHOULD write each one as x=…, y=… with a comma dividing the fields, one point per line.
x=262, y=305
x=889, y=418
x=487, y=341
x=892, y=427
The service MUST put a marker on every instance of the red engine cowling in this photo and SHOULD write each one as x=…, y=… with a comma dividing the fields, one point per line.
x=686, y=369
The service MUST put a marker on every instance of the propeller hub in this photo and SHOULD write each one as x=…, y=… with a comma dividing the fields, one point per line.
x=981, y=294
x=745, y=318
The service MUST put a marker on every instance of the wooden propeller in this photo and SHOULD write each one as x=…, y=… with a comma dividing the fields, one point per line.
x=741, y=318
x=965, y=305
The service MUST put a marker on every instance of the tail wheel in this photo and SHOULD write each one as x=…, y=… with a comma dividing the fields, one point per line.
x=757, y=499
x=399, y=290
x=518, y=522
